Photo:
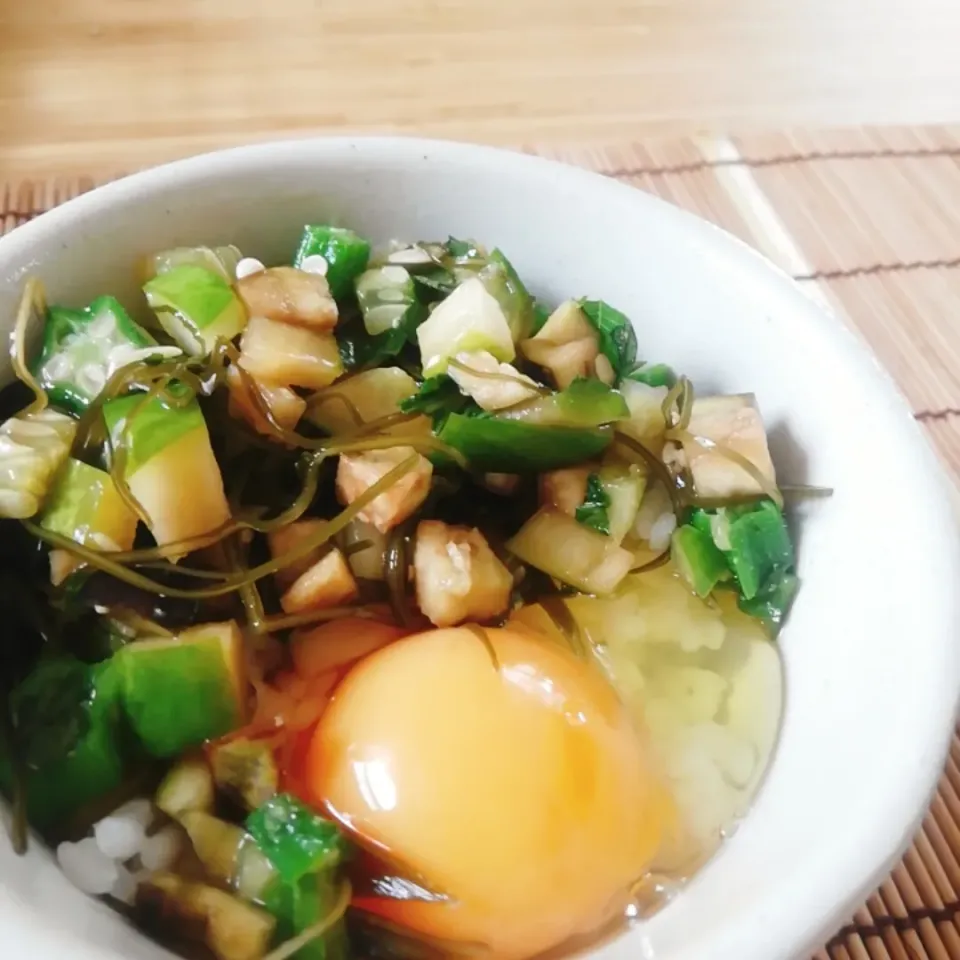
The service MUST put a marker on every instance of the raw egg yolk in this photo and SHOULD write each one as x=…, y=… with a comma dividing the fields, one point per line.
x=505, y=776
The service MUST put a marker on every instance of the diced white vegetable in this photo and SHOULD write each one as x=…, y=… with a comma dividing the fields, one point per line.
x=489, y=393
x=370, y=395
x=357, y=472
x=624, y=484
x=662, y=530
x=469, y=319
x=458, y=576
x=87, y=867
x=291, y=296
x=564, y=489
x=327, y=583
x=288, y=538
x=734, y=422
x=124, y=888
x=646, y=421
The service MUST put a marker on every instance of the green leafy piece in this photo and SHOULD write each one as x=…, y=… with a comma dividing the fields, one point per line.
x=294, y=839
x=196, y=306
x=593, y=511
x=653, y=374
x=463, y=251
x=756, y=542
x=434, y=283
x=618, y=340
x=50, y=710
x=587, y=402
x=697, y=559
x=83, y=348
x=773, y=601
x=347, y=254
x=145, y=427
x=437, y=397
x=67, y=717
x=496, y=445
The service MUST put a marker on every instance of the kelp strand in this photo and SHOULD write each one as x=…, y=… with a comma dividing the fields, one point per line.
x=109, y=564
x=32, y=302
x=297, y=943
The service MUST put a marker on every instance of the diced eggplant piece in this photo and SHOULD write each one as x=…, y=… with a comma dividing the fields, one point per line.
x=285, y=355
x=734, y=423
x=215, y=842
x=246, y=769
x=187, y=787
x=357, y=472
x=194, y=912
x=458, y=576
x=290, y=296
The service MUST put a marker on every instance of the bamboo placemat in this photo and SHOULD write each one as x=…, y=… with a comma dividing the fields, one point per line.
x=868, y=222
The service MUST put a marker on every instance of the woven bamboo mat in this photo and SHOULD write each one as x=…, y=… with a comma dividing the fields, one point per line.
x=868, y=222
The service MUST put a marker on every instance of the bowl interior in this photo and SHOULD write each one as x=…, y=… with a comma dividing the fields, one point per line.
x=870, y=650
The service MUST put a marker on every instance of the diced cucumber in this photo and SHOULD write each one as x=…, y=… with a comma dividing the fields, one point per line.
x=585, y=403
x=169, y=465
x=697, y=558
x=370, y=395
x=387, y=297
x=221, y=260
x=557, y=544
x=624, y=486
x=196, y=306
x=216, y=843
x=180, y=692
x=86, y=506
x=469, y=319
x=645, y=403
x=346, y=253
x=504, y=284
x=593, y=511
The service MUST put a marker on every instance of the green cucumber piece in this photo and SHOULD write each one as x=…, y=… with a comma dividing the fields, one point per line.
x=697, y=559
x=179, y=692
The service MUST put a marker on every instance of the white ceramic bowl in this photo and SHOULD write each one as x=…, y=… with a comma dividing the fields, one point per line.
x=873, y=644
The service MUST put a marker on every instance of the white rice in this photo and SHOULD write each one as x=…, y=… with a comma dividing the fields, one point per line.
x=120, y=836
x=87, y=867
x=662, y=530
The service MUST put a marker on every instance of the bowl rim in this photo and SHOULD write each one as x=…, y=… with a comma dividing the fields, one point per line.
x=815, y=918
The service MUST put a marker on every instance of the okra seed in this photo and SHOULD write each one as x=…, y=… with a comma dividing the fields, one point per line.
x=248, y=266
x=315, y=263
